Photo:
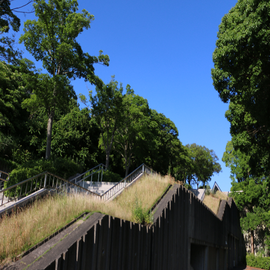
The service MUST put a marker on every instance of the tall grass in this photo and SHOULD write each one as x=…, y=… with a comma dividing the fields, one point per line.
x=31, y=225
x=213, y=200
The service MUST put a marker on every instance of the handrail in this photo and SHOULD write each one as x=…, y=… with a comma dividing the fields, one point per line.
x=37, y=182
x=2, y=179
x=101, y=168
x=47, y=180
x=125, y=181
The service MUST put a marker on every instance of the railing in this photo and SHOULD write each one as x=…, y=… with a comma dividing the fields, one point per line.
x=45, y=180
x=89, y=175
x=4, y=176
x=132, y=177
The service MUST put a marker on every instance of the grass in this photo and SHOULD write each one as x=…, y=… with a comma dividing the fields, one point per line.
x=212, y=201
x=21, y=231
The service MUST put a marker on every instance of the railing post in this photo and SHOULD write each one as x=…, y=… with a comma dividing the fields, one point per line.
x=143, y=168
x=101, y=173
x=45, y=180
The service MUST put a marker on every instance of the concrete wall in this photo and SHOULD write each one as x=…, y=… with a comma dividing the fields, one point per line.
x=185, y=235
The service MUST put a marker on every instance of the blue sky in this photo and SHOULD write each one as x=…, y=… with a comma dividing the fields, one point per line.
x=163, y=49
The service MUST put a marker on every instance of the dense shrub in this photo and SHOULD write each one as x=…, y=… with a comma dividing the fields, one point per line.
x=58, y=166
x=258, y=261
x=7, y=165
x=109, y=176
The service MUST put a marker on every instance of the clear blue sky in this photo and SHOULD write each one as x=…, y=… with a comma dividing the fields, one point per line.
x=163, y=49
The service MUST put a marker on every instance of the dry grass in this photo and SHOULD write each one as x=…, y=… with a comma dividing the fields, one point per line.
x=212, y=201
x=20, y=231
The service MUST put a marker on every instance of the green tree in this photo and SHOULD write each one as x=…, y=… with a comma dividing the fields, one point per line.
x=15, y=82
x=251, y=194
x=52, y=39
x=132, y=128
x=106, y=112
x=76, y=137
x=8, y=20
x=204, y=164
x=161, y=144
x=241, y=76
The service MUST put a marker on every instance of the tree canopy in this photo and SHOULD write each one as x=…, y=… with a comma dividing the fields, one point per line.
x=241, y=76
x=52, y=39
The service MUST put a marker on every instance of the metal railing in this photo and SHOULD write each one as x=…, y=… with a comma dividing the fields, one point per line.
x=132, y=177
x=45, y=180
x=88, y=175
x=4, y=176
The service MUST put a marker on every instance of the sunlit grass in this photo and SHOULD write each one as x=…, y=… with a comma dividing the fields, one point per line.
x=31, y=225
x=212, y=201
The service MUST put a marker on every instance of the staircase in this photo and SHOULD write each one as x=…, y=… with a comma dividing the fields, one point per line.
x=40, y=185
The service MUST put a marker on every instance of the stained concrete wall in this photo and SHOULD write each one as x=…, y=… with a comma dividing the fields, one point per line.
x=185, y=235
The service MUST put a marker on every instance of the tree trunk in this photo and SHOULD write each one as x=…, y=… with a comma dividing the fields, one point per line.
x=252, y=242
x=127, y=166
x=49, y=135
x=107, y=160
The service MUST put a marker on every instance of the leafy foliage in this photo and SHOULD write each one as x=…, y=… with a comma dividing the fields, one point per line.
x=140, y=214
x=201, y=164
x=258, y=261
x=241, y=76
x=52, y=39
x=61, y=167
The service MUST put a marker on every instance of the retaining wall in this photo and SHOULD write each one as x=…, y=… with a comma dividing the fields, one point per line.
x=185, y=235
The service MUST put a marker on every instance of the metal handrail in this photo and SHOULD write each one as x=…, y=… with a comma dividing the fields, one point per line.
x=2, y=179
x=44, y=180
x=125, y=181
x=47, y=180
x=97, y=169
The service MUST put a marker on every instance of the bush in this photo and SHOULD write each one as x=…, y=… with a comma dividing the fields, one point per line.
x=109, y=176
x=258, y=261
x=7, y=165
x=58, y=166
x=140, y=214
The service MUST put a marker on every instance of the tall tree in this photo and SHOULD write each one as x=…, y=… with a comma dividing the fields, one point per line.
x=8, y=21
x=241, y=76
x=160, y=143
x=107, y=113
x=15, y=84
x=132, y=128
x=52, y=39
x=251, y=194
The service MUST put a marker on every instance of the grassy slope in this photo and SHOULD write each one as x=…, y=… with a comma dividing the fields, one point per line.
x=212, y=201
x=21, y=231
